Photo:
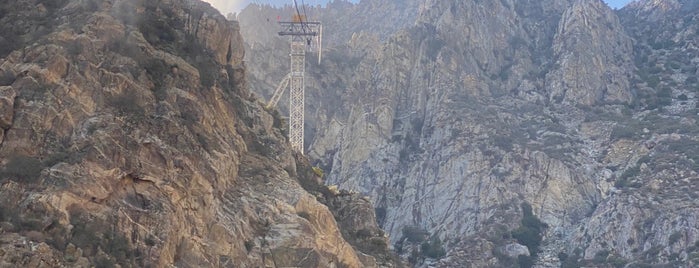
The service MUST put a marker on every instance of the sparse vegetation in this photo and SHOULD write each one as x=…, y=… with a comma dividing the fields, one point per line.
x=626, y=178
x=623, y=132
x=157, y=69
x=127, y=104
x=92, y=234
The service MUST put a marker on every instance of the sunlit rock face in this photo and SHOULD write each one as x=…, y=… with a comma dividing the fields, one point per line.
x=128, y=136
x=456, y=115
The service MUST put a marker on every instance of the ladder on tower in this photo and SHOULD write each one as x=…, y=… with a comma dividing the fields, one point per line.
x=278, y=92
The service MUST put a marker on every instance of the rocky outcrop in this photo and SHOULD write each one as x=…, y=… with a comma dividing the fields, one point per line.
x=593, y=57
x=130, y=138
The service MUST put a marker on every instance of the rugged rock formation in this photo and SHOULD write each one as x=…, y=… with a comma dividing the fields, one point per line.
x=651, y=216
x=459, y=121
x=593, y=57
x=129, y=137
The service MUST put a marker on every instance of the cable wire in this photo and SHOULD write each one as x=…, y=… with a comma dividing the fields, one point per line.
x=303, y=5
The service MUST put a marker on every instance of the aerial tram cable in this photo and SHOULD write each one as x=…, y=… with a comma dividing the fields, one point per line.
x=303, y=5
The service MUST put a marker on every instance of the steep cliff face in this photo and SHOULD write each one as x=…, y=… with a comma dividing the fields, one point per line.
x=459, y=122
x=129, y=137
x=593, y=57
x=651, y=216
x=456, y=129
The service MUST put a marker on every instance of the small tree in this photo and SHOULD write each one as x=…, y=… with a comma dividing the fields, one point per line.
x=22, y=169
x=529, y=232
x=433, y=248
x=414, y=234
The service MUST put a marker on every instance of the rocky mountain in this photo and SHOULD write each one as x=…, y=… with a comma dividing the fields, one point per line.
x=503, y=133
x=129, y=138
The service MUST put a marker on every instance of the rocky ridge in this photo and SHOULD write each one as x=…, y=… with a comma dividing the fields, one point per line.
x=457, y=122
x=129, y=138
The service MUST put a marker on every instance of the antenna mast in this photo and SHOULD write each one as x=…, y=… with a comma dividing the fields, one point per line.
x=303, y=34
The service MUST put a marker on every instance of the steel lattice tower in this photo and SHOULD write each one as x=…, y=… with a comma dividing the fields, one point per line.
x=303, y=34
x=297, y=98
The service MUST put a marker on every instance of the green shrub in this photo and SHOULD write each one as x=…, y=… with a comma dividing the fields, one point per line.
x=22, y=168
x=150, y=241
x=249, y=245
x=9, y=43
x=56, y=158
x=672, y=65
x=304, y=214
x=653, y=81
x=504, y=142
x=156, y=31
x=7, y=78
x=616, y=261
x=83, y=234
x=208, y=73
x=601, y=256
x=117, y=245
x=525, y=261
x=53, y=4
x=622, y=132
x=318, y=171
x=433, y=248
x=414, y=234
x=91, y=234
x=530, y=231
x=363, y=233
x=562, y=256
x=73, y=48
x=126, y=104
x=674, y=237
x=380, y=214
x=665, y=92
x=104, y=262
x=625, y=180
x=156, y=68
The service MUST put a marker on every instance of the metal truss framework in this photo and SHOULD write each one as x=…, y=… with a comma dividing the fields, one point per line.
x=302, y=34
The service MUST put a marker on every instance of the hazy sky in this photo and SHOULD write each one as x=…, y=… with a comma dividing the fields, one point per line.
x=226, y=6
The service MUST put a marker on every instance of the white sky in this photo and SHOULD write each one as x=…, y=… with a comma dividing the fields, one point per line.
x=227, y=6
